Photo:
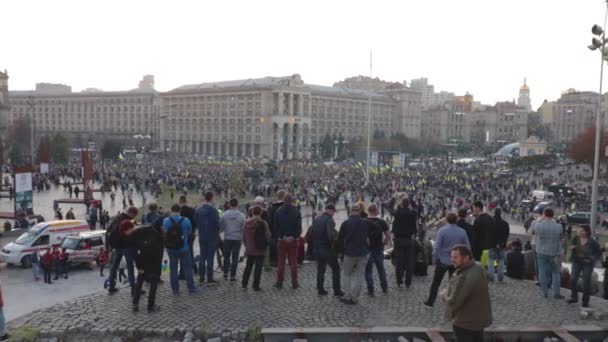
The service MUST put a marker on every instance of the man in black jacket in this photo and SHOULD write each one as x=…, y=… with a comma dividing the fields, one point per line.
x=148, y=241
x=482, y=226
x=462, y=223
x=324, y=235
x=404, y=228
x=497, y=244
x=287, y=222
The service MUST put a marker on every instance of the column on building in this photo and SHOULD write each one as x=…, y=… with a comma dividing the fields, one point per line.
x=307, y=142
x=280, y=138
x=301, y=105
x=290, y=147
x=299, y=141
x=291, y=104
x=281, y=99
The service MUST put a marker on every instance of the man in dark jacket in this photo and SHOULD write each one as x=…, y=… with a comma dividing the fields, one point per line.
x=404, y=228
x=149, y=244
x=117, y=237
x=207, y=219
x=287, y=222
x=482, y=226
x=462, y=223
x=323, y=236
x=354, y=238
x=515, y=261
x=497, y=243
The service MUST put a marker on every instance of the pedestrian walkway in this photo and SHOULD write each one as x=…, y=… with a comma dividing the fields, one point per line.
x=227, y=306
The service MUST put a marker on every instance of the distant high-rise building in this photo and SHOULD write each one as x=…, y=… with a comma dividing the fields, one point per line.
x=429, y=97
x=147, y=82
x=53, y=88
x=524, y=97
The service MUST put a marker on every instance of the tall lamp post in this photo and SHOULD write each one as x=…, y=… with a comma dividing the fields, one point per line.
x=597, y=44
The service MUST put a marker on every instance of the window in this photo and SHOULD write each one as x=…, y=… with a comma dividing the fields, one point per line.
x=42, y=241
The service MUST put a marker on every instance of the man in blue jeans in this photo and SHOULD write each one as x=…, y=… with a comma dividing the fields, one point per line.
x=208, y=220
x=182, y=254
x=117, y=237
x=548, y=236
x=379, y=237
x=497, y=238
x=232, y=224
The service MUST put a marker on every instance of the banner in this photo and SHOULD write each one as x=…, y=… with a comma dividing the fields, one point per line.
x=373, y=159
x=44, y=168
x=24, y=196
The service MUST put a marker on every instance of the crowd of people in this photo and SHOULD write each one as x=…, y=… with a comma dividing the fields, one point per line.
x=292, y=217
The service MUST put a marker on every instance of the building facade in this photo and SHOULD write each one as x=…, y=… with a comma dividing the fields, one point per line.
x=94, y=116
x=279, y=117
x=573, y=113
x=456, y=121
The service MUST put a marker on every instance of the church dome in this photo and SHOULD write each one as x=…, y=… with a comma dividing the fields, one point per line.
x=525, y=86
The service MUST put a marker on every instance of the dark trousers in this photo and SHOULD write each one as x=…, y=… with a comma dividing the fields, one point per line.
x=141, y=277
x=464, y=335
x=327, y=257
x=258, y=261
x=207, y=248
x=587, y=271
x=405, y=253
x=440, y=270
x=232, y=249
x=47, y=273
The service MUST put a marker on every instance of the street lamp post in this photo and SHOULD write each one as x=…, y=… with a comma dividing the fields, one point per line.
x=595, y=45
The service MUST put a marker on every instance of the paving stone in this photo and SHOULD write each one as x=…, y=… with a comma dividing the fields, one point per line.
x=228, y=311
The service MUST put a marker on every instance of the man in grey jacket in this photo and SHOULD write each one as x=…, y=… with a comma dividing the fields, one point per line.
x=231, y=224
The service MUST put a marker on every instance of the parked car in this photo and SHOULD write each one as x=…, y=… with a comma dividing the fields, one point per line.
x=578, y=218
x=541, y=206
x=84, y=247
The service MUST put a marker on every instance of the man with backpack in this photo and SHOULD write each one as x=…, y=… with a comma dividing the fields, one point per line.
x=117, y=237
x=256, y=236
x=177, y=231
x=148, y=241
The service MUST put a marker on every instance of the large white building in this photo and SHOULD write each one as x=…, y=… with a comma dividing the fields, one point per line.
x=89, y=115
x=278, y=117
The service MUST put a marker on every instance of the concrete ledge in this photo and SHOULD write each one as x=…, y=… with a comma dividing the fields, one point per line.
x=341, y=334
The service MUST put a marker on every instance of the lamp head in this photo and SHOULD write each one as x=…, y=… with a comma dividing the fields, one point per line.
x=596, y=43
x=597, y=30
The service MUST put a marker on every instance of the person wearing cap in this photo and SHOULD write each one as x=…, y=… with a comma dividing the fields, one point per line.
x=497, y=241
x=323, y=235
x=354, y=240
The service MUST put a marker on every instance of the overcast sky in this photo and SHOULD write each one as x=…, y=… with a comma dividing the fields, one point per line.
x=485, y=47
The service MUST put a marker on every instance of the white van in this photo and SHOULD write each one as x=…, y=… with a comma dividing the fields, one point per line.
x=41, y=237
x=542, y=195
x=84, y=247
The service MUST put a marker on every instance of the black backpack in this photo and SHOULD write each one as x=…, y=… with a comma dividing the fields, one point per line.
x=261, y=243
x=174, y=238
x=112, y=234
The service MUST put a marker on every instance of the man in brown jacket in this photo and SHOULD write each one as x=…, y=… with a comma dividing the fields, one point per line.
x=467, y=298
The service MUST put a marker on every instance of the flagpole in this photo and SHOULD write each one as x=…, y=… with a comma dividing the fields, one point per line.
x=369, y=121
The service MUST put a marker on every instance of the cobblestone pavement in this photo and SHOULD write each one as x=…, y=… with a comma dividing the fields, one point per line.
x=228, y=307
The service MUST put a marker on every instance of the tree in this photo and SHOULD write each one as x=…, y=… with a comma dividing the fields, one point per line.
x=327, y=146
x=43, y=155
x=582, y=148
x=60, y=149
x=19, y=142
x=111, y=149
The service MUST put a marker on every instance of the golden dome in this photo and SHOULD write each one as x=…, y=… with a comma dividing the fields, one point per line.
x=525, y=86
